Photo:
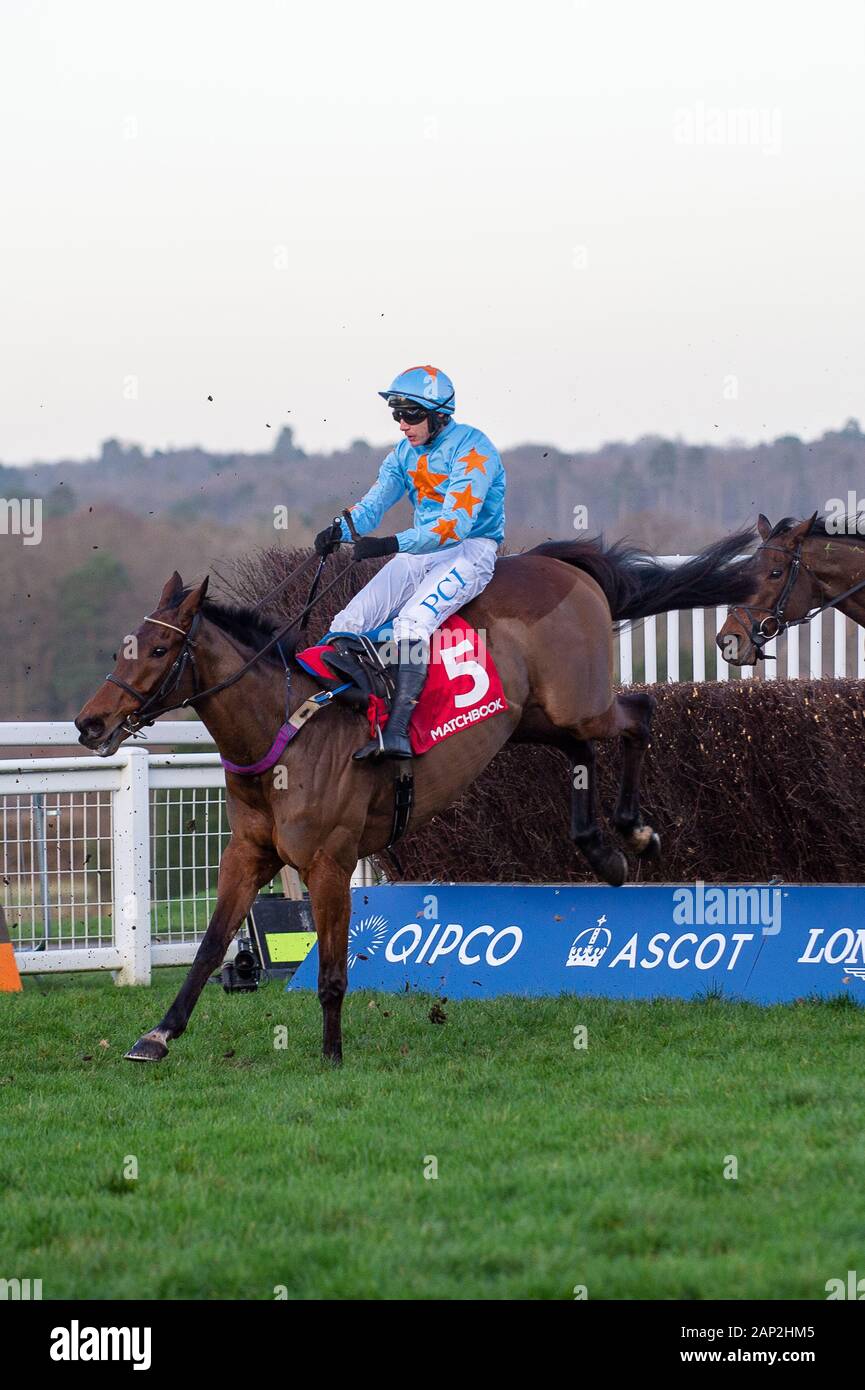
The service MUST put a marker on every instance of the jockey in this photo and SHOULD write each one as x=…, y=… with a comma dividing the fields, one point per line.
x=456, y=482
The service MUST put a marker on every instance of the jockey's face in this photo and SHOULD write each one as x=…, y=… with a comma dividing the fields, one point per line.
x=415, y=434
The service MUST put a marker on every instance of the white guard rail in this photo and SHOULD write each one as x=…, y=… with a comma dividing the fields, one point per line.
x=111, y=863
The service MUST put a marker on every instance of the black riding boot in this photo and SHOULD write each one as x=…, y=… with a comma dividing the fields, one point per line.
x=410, y=677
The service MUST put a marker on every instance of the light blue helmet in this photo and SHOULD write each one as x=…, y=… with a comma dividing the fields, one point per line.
x=428, y=386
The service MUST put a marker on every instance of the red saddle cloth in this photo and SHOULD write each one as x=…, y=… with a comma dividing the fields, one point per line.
x=462, y=685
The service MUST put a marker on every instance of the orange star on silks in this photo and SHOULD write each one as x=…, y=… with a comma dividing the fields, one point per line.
x=474, y=460
x=466, y=500
x=445, y=530
x=425, y=482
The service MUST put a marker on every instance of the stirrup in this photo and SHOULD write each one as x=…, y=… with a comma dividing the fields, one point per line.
x=373, y=748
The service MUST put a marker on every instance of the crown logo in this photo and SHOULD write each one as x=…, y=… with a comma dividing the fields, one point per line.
x=589, y=947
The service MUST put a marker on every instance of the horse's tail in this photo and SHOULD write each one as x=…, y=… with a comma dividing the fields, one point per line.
x=637, y=585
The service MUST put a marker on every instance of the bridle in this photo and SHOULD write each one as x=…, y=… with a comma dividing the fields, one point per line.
x=172, y=679
x=147, y=713
x=758, y=633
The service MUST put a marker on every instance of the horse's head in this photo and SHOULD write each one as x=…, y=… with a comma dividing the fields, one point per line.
x=782, y=593
x=152, y=672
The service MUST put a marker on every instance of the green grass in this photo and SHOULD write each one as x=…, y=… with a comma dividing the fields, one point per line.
x=556, y=1167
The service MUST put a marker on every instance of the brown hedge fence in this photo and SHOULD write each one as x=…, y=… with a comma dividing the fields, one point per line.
x=743, y=781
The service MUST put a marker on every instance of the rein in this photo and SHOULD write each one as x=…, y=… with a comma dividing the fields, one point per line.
x=186, y=658
x=757, y=633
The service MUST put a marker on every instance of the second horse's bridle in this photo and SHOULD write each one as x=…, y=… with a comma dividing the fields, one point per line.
x=757, y=633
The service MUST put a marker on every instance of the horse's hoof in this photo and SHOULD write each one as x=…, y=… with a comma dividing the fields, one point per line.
x=652, y=847
x=615, y=869
x=146, y=1050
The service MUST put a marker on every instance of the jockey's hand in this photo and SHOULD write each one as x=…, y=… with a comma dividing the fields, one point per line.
x=370, y=547
x=329, y=539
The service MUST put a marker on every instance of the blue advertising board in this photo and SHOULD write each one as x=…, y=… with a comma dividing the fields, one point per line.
x=750, y=941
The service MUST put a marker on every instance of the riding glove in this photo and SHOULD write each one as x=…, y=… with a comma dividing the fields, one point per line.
x=328, y=540
x=369, y=547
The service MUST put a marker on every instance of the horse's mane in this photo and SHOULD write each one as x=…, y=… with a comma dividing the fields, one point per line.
x=250, y=627
x=842, y=530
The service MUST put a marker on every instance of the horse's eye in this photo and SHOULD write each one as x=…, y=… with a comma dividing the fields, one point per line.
x=776, y=574
x=159, y=651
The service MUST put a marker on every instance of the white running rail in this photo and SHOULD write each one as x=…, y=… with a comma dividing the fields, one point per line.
x=111, y=863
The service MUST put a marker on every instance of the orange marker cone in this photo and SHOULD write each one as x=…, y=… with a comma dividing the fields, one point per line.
x=10, y=980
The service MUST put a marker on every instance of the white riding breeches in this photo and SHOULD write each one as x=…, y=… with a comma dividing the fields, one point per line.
x=420, y=591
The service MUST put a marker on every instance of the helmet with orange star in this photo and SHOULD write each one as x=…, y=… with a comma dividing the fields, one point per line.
x=424, y=386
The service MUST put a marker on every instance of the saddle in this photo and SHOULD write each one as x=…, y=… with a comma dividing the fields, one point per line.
x=360, y=670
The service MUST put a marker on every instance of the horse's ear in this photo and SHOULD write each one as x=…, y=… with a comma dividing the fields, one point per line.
x=803, y=529
x=193, y=600
x=171, y=592
x=811, y=521
x=764, y=526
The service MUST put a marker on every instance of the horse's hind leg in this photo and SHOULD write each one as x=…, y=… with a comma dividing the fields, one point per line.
x=606, y=860
x=634, y=715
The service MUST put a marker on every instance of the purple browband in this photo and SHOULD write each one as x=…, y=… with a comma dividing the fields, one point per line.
x=285, y=735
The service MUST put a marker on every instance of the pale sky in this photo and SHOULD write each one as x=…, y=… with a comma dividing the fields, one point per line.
x=603, y=218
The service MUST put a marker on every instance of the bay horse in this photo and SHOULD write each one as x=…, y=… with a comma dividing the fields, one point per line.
x=800, y=569
x=547, y=619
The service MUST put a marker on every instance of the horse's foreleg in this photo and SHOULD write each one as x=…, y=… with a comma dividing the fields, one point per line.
x=328, y=883
x=608, y=862
x=243, y=869
x=634, y=715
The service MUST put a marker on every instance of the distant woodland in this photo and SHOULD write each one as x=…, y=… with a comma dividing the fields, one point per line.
x=116, y=526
